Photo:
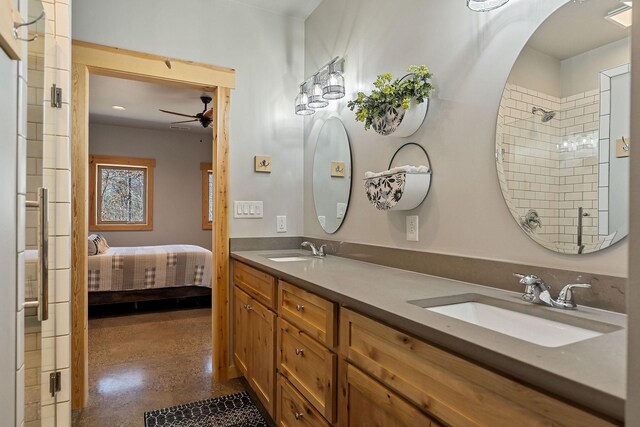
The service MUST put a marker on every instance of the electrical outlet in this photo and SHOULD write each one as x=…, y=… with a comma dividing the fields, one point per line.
x=412, y=228
x=281, y=224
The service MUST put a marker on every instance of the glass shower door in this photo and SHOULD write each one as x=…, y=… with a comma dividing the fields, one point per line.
x=39, y=326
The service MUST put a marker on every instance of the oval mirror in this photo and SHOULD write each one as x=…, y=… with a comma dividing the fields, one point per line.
x=332, y=175
x=562, y=136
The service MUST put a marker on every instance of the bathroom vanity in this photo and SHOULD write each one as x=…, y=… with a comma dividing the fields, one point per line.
x=332, y=341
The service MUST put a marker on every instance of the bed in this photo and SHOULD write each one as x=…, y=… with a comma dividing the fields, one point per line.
x=142, y=273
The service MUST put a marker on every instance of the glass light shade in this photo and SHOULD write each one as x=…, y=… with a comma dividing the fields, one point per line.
x=315, y=97
x=302, y=104
x=485, y=5
x=334, y=87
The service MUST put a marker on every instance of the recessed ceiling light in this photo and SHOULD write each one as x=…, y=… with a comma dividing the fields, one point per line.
x=118, y=107
x=620, y=16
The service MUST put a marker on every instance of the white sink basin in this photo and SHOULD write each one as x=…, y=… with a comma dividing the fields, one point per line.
x=288, y=259
x=534, y=329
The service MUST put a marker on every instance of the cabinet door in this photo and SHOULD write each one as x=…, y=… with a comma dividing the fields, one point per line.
x=262, y=353
x=241, y=330
x=370, y=403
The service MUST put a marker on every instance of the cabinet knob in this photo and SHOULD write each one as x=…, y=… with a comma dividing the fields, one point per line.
x=298, y=415
x=299, y=352
x=299, y=307
x=248, y=307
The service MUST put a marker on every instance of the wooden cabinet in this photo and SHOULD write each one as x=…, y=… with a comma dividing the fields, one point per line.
x=308, y=312
x=386, y=377
x=257, y=284
x=309, y=366
x=453, y=390
x=366, y=402
x=254, y=346
x=294, y=410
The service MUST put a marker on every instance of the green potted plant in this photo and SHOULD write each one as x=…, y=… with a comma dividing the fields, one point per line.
x=395, y=106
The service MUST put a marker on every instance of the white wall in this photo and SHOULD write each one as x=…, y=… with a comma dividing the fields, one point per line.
x=581, y=73
x=266, y=49
x=177, y=181
x=471, y=55
x=537, y=71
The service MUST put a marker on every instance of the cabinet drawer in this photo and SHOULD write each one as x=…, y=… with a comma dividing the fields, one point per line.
x=453, y=389
x=293, y=408
x=308, y=312
x=257, y=284
x=364, y=400
x=309, y=366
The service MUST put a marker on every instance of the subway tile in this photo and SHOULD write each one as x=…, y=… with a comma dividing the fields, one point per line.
x=19, y=339
x=62, y=26
x=20, y=396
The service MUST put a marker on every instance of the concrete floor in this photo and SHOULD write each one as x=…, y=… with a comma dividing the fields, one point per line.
x=141, y=362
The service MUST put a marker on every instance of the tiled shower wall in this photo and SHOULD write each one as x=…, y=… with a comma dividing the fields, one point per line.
x=55, y=347
x=551, y=166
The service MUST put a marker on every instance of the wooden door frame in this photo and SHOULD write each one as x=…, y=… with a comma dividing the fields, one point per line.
x=87, y=59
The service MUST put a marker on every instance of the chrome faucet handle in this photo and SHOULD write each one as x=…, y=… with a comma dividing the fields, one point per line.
x=565, y=298
x=321, y=251
x=534, y=288
x=314, y=250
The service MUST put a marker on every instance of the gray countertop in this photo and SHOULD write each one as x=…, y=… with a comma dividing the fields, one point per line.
x=591, y=373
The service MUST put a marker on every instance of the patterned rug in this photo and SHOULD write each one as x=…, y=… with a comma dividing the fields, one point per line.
x=234, y=410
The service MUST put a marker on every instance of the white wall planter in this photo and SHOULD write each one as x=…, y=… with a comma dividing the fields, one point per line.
x=400, y=122
x=398, y=191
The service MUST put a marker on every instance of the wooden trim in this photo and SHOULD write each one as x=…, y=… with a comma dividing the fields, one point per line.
x=79, y=233
x=221, y=295
x=94, y=161
x=116, y=62
x=95, y=59
x=205, y=168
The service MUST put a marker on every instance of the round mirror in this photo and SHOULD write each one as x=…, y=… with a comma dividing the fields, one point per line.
x=562, y=137
x=332, y=175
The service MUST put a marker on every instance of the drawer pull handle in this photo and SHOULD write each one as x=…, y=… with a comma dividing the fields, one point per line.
x=299, y=352
x=298, y=415
x=248, y=307
x=299, y=307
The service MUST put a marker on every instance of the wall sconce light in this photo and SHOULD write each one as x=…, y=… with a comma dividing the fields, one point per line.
x=315, y=97
x=326, y=84
x=485, y=5
x=302, y=102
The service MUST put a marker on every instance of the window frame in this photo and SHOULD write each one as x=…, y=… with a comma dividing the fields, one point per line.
x=205, y=170
x=125, y=162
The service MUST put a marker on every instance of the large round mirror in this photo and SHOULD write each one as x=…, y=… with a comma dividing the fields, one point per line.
x=562, y=138
x=332, y=175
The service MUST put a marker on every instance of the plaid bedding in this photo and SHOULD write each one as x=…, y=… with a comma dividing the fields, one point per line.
x=150, y=267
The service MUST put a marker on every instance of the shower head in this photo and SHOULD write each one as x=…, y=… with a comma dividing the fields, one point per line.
x=546, y=115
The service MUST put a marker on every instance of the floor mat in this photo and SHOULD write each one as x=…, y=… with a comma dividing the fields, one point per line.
x=234, y=410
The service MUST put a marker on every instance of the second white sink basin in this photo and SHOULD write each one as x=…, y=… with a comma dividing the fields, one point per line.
x=534, y=329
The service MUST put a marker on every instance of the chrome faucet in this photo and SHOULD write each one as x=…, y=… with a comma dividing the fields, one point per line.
x=538, y=292
x=319, y=252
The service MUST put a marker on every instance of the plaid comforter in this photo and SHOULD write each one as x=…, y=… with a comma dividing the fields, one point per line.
x=150, y=267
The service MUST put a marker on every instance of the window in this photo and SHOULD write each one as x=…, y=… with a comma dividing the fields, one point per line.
x=207, y=195
x=121, y=193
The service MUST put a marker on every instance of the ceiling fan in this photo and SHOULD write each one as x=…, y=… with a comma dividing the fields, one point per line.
x=205, y=117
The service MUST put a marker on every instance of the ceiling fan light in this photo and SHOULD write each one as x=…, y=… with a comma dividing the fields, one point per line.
x=485, y=5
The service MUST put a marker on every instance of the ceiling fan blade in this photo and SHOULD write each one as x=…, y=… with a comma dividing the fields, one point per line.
x=178, y=114
x=208, y=114
x=185, y=121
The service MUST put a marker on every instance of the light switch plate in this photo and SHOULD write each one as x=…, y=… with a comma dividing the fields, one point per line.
x=247, y=210
x=281, y=224
x=412, y=228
